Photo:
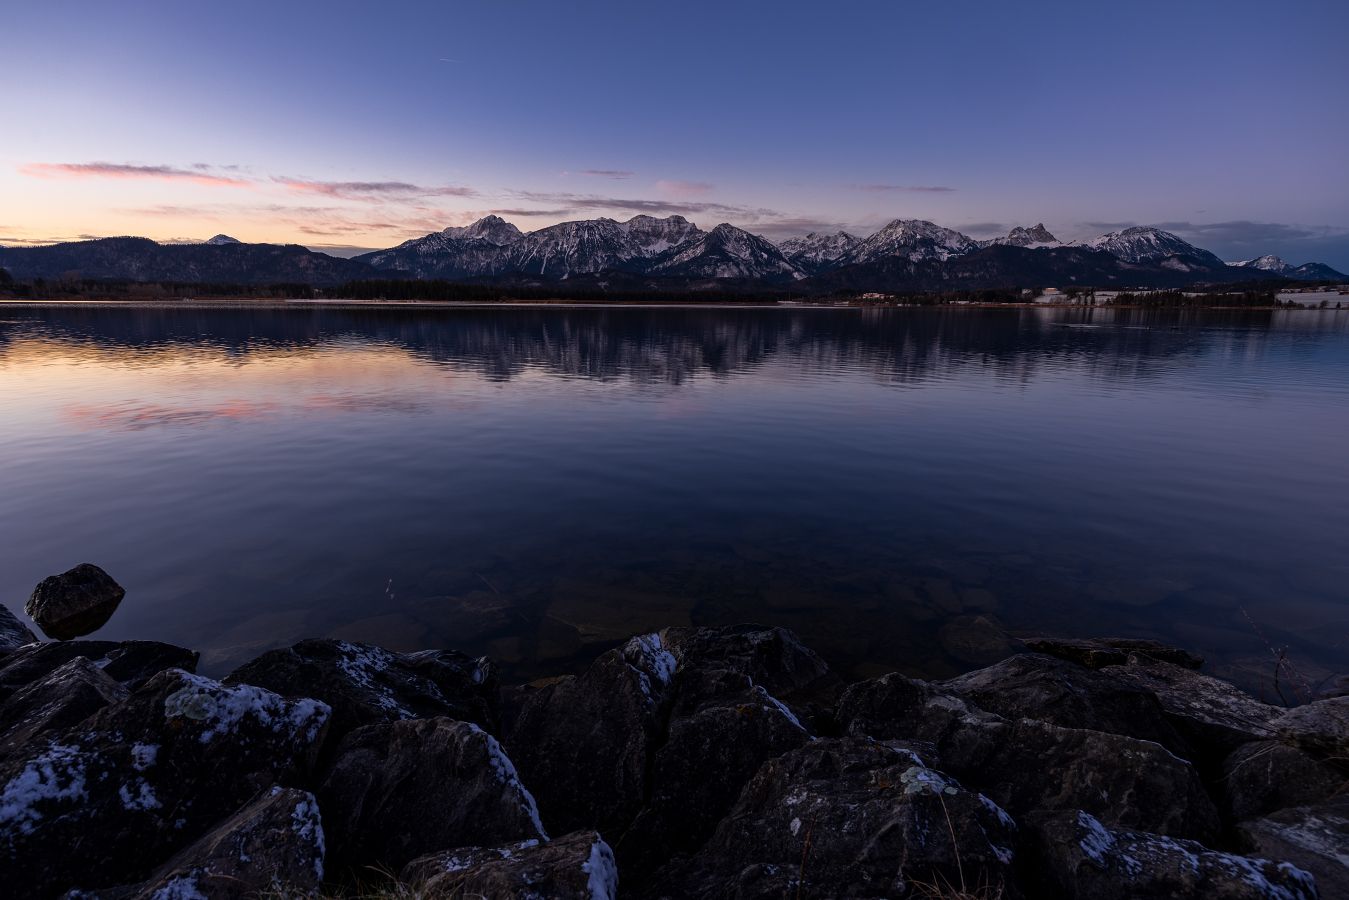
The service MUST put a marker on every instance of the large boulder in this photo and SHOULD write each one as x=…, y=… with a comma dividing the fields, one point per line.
x=365, y=684
x=400, y=790
x=129, y=663
x=847, y=818
x=1264, y=776
x=1213, y=716
x=74, y=603
x=141, y=779
x=1314, y=838
x=577, y=866
x=1026, y=764
x=60, y=699
x=1053, y=690
x=13, y=633
x=271, y=847
x=1321, y=727
x=1080, y=857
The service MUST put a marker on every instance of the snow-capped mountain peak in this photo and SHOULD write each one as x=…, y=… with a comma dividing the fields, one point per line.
x=654, y=236
x=726, y=252
x=1036, y=237
x=914, y=239
x=493, y=229
x=818, y=251
x=1266, y=263
x=1142, y=244
x=221, y=239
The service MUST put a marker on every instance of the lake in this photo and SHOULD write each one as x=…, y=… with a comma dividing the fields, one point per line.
x=903, y=487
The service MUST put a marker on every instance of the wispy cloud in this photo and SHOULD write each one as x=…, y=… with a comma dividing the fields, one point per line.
x=676, y=188
x=902, y=188
x=197, y=174
x=563, y=203
x=372, y=191
x=615, y=174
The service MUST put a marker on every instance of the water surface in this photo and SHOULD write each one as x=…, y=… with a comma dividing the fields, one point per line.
x=902, y=487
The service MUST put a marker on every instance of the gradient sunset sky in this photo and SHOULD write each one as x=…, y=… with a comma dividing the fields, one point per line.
x=342, y=125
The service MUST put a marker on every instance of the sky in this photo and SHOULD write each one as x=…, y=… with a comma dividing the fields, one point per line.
x=355, y=125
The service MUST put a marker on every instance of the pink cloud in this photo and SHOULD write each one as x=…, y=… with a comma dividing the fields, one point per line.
x=126, y=170
x=684, y=188
x=372, y=190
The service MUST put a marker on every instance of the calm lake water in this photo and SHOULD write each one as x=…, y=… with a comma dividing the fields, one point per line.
x=902, y=487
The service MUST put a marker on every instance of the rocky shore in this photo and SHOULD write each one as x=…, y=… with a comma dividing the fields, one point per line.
x=691, y=762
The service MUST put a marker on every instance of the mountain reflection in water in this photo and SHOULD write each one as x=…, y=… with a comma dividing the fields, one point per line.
x=903, y=487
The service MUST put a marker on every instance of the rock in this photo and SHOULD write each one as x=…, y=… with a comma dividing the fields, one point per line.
x=1082, y=858
x=271, y=847
x=1334, y=686
x=1214, y=716
x=1027, y=765
x=129, y=663
x=74, y=603
x=1264, y=776
x=365, y=684
x=583, y=743
x=63, y=698
x=577, y=866
x=1100, y=652
x=1053, y=690
x=847, y=818
x=399, y=790
x=141, y=779
x=1320, y=727
x=1314, y=838
x=13, y=633
x=974, y=640
x=773, y=658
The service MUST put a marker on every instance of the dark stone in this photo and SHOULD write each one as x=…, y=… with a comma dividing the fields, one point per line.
x=1213, y=716
x=63, y=698
x=400, y=790
x=1334, y=686
x=1035, y=686
x=583, y=743
x=365, y=685
x=577, y=866
x=271, y=847
x=143, y=778
x=1080, y=857
x=74, y=603
x=772, y=658
x=1321, y=727
x=1264, y=776
x=1096, y=653
x=1314, y=838
x=1026, y=765
x=129, y=663
x=13, y=633
x=975, y=640
x=847, y=818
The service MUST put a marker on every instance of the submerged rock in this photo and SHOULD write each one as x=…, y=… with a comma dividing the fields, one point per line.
x=847, y=818
x=577, y=866
x=13, y=633
x=129, y=663
x=1314, y=838
x=1096, y=653
x=142, y=778
x=365, y=684
x=1083, y=858
x=60, y=699
x=397, y=791
x=74, y=603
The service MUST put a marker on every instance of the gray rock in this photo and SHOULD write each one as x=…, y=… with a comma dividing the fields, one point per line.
x=1027, y=765
x=74, y=603
x=975, y=640
x=365, y=685
x=400, y=790
x=1264, y=776
x=1213, y=716
x=141, y=779
x=1320, y=727
x=1334, y=686
x=1083, y=858
x=59, y=700
x=129, y=663
x=847, y=818
x=1096, y=653
x=274, y=845
x=1314, y=838
x=577, y=866
x=1053, y=690
x=13, y=633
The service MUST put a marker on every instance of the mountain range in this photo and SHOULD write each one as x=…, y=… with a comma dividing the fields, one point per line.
x=672, y=252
